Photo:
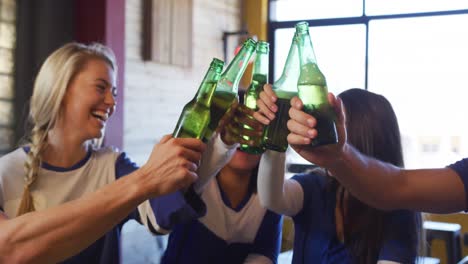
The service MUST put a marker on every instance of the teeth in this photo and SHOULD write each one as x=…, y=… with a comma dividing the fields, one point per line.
x=101, y=115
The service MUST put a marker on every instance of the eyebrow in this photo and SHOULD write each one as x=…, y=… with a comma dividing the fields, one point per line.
x=104, y=81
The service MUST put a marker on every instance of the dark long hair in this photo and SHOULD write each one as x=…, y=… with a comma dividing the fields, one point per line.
x=372, y=128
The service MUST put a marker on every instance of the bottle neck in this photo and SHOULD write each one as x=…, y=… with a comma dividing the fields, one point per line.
x=310, y=73
x=231, y=77
x=260, y=65
x=288, y=79
x=306, y=50
x=208, y=86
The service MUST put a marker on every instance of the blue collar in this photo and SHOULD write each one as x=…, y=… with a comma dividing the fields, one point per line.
x=48, y=166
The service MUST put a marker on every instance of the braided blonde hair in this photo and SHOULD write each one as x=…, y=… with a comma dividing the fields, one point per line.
x=50, y=86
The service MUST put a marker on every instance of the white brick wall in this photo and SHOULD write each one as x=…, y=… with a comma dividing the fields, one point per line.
x=156, y=93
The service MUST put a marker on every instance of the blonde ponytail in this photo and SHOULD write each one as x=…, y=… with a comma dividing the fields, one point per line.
x=32, y=166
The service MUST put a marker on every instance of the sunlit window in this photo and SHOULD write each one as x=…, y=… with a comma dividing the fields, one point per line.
x=412, y=52
x=340, y=52
x=388, y=7
x=7, y=44
x=284, y=10
x=419, y=65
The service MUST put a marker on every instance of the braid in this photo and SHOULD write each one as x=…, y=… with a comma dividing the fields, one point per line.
x=32, y=165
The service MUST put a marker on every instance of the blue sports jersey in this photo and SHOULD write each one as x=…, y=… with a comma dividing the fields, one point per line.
x=225, y=234
x=461, y=168
x=316, y=240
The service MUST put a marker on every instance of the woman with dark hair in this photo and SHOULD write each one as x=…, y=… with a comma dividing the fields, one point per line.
x=332, y=226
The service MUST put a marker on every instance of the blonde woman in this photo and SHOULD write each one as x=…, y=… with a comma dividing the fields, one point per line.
x=62, y=199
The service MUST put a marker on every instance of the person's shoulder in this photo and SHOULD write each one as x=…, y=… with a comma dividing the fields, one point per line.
x=106, y=152
x=12, y=161
x=401, y=216
x=13, y=158
x=461, y=165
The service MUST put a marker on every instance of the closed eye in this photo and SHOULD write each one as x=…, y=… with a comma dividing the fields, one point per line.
x=101, y=88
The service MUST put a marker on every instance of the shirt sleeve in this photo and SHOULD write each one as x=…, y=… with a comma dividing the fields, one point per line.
x=461, y=168
x=216, y=155
x=160, y=214
x=268, y=239
x=400, y=241
x=276, y=194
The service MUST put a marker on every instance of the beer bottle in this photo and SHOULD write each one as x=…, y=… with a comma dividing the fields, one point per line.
x=228, y=84
x=275, y=134
x=313, y=91
x=259, y=78
x=195, y=116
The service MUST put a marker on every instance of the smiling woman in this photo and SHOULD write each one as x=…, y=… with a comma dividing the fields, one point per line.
x=89, y=100
x=69, y=197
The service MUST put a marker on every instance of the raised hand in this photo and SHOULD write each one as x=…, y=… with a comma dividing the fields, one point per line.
x=232, y=126
x=172, y=165
x=302, y=130
x=266, y=105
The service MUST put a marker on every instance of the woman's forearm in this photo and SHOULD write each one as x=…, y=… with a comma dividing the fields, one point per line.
x=388, y=187
x=60, y=232
x=282, y=197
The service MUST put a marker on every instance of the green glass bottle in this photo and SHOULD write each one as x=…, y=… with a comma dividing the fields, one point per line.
x=228, y=85
x=259, y=78
x=276, y=133
x=195, y=116
x=313, y=91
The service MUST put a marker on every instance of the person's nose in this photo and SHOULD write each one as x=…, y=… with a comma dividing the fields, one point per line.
x=110, y=99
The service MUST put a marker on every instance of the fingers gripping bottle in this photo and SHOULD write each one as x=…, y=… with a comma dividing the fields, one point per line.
x=195, y=116
x=259, y=78
x=313, y=91
x=275, y=134
x=228, y=85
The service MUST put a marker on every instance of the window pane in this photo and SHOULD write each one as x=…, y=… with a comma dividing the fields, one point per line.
x=6, y=113
x=7, y=35
x=8, y=10
x=6, y=87
x=340, y=52
x=386, y=7
x=419, y=65
x=6, y=140
x=284, y=10
x=6, y=59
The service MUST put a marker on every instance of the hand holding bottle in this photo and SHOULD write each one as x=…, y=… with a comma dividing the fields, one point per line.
x=302, y=127
x=232, y=126
x=171, y=166
x=266, y=104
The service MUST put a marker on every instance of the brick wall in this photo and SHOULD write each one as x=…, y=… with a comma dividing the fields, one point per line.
x=156, y=93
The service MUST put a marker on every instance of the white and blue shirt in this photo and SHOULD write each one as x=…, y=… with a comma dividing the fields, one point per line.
x=57, y=185
x=248, y=233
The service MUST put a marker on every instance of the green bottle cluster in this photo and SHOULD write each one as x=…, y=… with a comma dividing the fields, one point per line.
x=275, y=134
x=313, y=91
x=228, y=85
x=195, y=117
x=259, y=78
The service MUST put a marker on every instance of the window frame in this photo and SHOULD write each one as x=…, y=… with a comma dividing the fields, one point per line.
x=363, y=19
x=272, y=26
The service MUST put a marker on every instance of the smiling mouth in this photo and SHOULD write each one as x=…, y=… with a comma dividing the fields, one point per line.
x=103, y=116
